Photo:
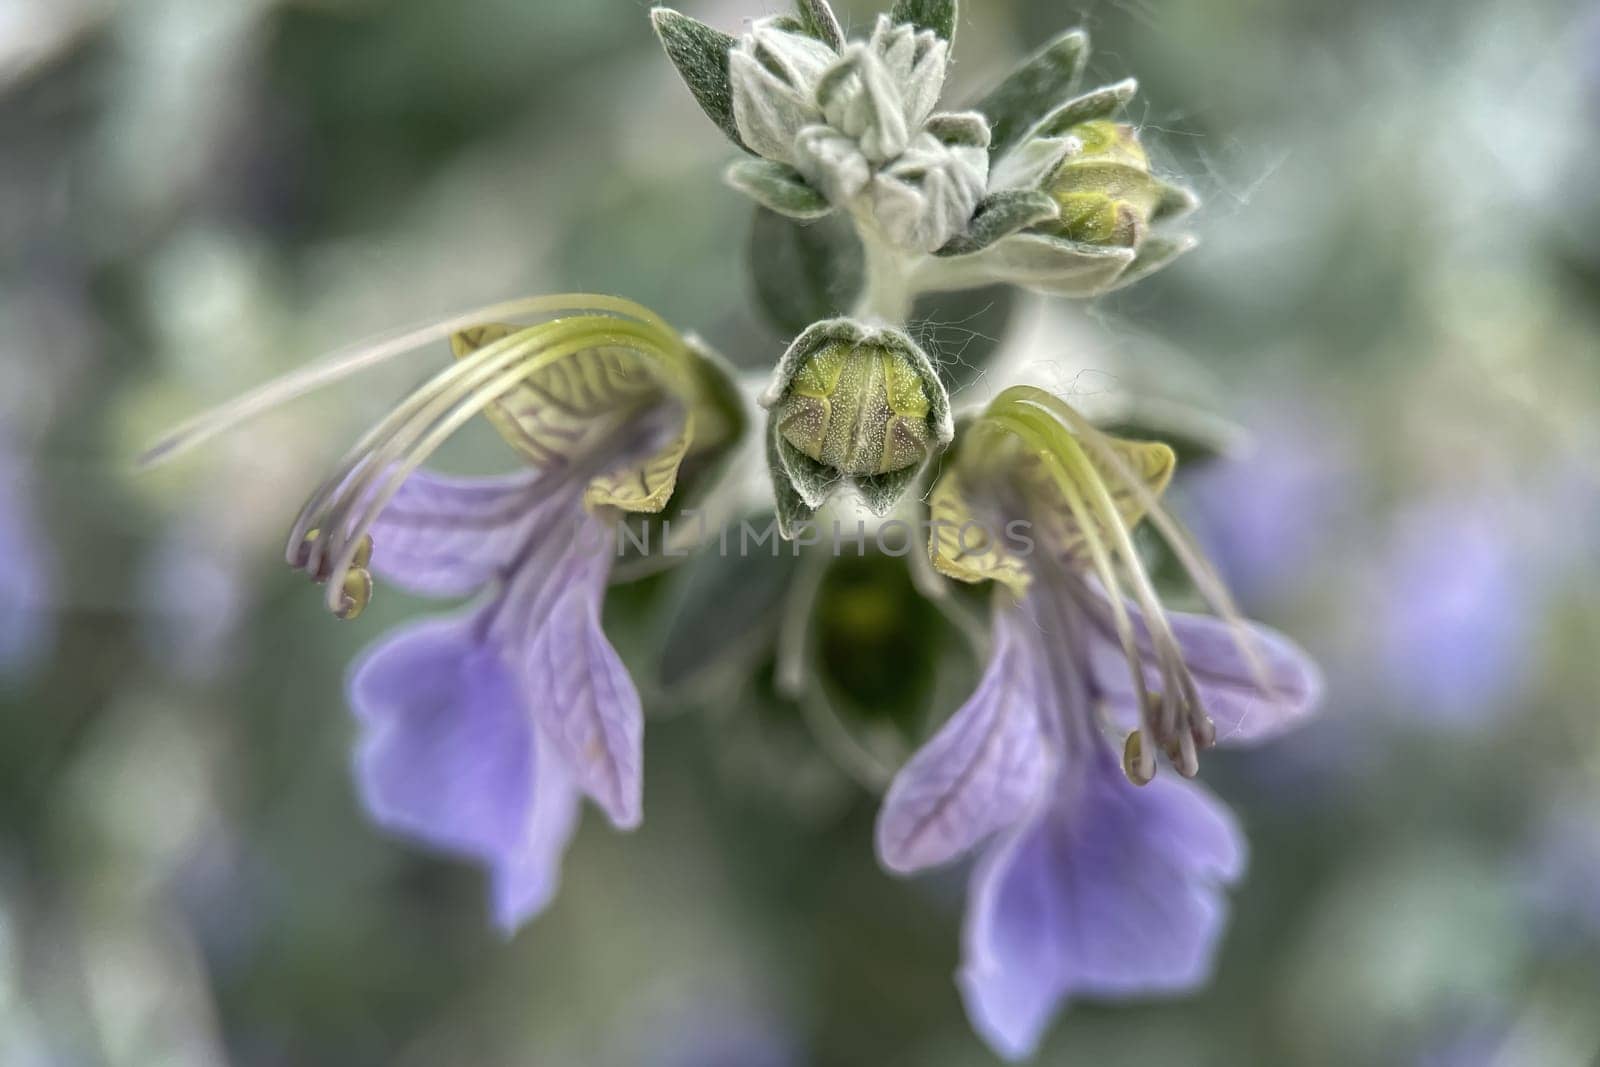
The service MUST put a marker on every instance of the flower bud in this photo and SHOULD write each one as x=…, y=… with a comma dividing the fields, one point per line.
x=1106, y=191
x=851, y=404
x=858, y=408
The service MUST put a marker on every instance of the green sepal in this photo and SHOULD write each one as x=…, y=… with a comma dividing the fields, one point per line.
x=812, y=481
x=1031, y=91
x=791, y=508
x=1099, y=104
x=804, y=272
x=1174, y=203
x=817, y=20
x=778, y=188
x=701, y=55
x=881, y=492
x=940, y=16
x=1155, y=252
x=1001, y=215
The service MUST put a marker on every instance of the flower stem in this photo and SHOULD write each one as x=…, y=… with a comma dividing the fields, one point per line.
x=886, y=293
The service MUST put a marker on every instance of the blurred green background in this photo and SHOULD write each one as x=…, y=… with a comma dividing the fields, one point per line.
x=1398, y=294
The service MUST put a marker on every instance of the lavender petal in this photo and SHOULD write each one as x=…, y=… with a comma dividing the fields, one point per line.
x=982, y=771
x=1228, y=678
x=1113, y=890
x=583, y=697
x=443, y=536
x=448, y=757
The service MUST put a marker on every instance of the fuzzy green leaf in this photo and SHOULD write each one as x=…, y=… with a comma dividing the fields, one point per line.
x=1099, y=104
x=777, y=187
x=728, y=605
x=804, y=273
x=701, y=55
x=818, y=20
x=1001, y=215
x=1033, y=89
x=937, y=15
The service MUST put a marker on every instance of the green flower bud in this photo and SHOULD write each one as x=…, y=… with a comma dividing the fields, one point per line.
x=860, y=409
x=1106, y=192
x=854, y=405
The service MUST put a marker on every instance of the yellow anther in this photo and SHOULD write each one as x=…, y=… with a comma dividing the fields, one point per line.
x=356, y=594
x=363, y=554
x=1133, y=760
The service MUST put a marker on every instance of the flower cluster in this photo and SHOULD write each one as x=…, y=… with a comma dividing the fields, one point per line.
x=481, y=731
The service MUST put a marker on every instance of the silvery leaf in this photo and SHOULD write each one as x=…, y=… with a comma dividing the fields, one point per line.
x=928, y=195
x=1033, y=89
x=1055, y=265
x=778, y=188
x=859, y=99
x=1001, y=215
x=1101, y=103
x=700, y=54
x=820, y=22
x=768, y=111
x=798, y=59
x=1031, y=163
x=967, y=128
x=803, y=273
x=936, y=15
x=831, y=162
x=916, y=62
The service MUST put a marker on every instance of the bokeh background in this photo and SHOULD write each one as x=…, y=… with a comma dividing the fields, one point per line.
x=1398, y=296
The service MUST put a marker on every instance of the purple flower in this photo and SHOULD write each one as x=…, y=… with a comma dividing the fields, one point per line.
x=480, y=732
x=1265, y=517
x=1457, y=615
x=1088, y=884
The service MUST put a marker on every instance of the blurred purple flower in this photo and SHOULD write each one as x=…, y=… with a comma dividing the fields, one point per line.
x=1088, y=884
x=1456, y=622
x=195, y=596
x=1265, y=518
x=481, y=731
x=24, y=570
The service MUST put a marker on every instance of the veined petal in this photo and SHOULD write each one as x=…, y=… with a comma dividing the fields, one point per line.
x=1254, y=684
x=525, y=880
x=645, y=486
x=584, y=699
x=562, y=410
x=985, y=769
x=443, y=536
x=1113, y=890
x=449, y=756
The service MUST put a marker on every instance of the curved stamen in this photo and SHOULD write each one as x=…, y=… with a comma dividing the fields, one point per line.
x=369, y=354
x=398, y=431
x=1172, y=718
x=1205, y=578
x=356, y=508
x=1037, y=438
